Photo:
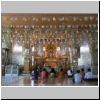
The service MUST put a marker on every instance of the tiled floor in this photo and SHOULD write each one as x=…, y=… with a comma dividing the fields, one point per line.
x=25, y=80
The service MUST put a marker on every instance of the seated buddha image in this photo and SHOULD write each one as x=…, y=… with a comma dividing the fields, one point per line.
x=51, y=50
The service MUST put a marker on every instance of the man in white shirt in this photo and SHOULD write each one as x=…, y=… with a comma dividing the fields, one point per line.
x=69, y=73
x=89, y=74
x=77, y=77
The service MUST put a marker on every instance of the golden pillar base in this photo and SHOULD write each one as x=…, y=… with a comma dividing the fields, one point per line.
x=26, y=67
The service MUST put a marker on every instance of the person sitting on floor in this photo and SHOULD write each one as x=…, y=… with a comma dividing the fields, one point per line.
x=69, y=73
x=52, y=73
x=35, y=75
x=82, y=74
x=88, y=74
x=61, y=76
x=43, y=77
x=77, y=77
x=43, y=74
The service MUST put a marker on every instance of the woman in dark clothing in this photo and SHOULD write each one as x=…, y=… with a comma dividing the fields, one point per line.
x=35, y=75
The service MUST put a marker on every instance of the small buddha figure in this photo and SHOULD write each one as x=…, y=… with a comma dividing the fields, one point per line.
x=51, y=51
x=51, y=55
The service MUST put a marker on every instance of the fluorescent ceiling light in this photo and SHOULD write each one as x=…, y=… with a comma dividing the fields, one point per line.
x=58, y=48
x=33, y=49
x=84, y=48
x=44, y=48
x=17, y=48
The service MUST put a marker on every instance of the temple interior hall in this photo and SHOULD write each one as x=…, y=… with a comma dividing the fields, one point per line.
x=66, y=43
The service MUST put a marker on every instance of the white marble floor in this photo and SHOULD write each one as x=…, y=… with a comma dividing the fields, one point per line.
x=25, y=80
